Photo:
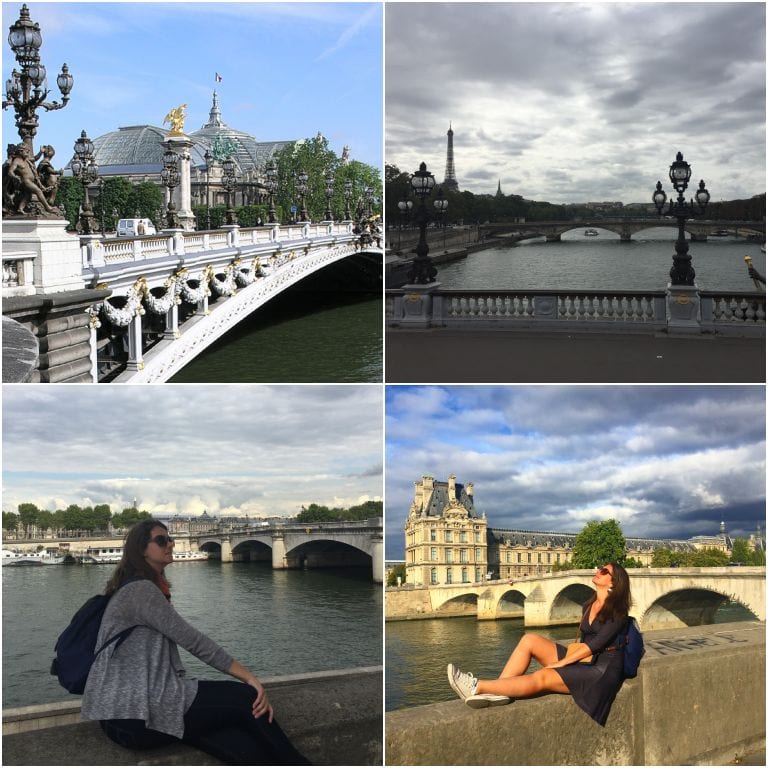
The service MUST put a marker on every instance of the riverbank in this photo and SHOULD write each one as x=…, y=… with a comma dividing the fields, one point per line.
x=334, y=718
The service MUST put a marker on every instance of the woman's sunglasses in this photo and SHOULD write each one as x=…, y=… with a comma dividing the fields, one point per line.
x=604, y=572
x=162, y=541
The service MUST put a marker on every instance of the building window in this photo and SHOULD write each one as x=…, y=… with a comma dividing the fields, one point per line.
x=433, y=553
x=463, y=556
x=558, y=557
x=433, y=575
x=449, y=556
x=549, y=557
x=529, y=557
x=432, y=534
x=477, y=537
x=477, y=554
x=464, y=576
x=538, y=557
x=449, y=536
x=519, y=557
x=478, y=576
x=509, y=557
x=449, y=576
x=463, y=537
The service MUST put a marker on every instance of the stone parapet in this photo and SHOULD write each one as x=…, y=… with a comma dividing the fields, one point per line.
x=334, y=718
x=699, y=699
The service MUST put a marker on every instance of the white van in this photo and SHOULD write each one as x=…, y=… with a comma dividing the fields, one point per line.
x=135, y=228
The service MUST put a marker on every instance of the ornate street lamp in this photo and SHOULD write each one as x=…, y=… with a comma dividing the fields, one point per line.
x=422, y=271
x=85, y=170
x=329, y=180
x=208, y=157
x=301, y=191
x=170, y=178
x=682, y=272
x=271, y=184
x=228, y=180
x=348, y=192
x=441, y=206
x=404, y=207
x=26, y=92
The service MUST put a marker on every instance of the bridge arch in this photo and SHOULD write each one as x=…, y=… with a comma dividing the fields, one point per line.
x=690, y=607
x=327, y=553
x=213, y=548
x=252, y=550
x=459, y=605
x=567, y=603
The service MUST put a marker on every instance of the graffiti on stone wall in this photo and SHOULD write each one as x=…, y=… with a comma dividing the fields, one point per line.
x=667, y=647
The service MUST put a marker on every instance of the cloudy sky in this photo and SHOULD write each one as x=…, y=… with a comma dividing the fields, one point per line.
x=663, y=461
x=289, y=69
x=576, y=102
x=256, y=450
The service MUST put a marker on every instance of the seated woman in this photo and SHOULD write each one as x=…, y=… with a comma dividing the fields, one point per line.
x=139, y=690
x=591, y=670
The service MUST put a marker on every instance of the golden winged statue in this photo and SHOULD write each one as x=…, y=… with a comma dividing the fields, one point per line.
x=176, y=120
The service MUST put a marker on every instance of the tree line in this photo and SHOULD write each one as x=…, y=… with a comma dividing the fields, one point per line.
x=317, y=513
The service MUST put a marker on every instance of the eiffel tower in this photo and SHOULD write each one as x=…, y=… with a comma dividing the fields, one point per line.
x=450, y=184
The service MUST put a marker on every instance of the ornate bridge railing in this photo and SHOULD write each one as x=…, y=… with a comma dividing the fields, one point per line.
x=619, y=311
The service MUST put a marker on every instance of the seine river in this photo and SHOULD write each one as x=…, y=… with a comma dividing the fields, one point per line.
x=417, y=652
x=603, y=263
x=274, y=622
x=299, y=337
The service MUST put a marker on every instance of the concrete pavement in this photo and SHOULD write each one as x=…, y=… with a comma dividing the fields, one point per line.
x=509, y=356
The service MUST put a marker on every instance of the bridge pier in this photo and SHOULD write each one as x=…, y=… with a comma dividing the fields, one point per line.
x=377, y=559
x=226, y=551
x=278, y=552
x=554, y=238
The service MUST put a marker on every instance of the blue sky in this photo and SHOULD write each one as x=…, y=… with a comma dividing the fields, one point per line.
x=289, y=69
x=233, y=449
x=663, y=461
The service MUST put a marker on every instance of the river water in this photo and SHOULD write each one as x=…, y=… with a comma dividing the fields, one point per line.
x=417, y=652
x=274, y=622
x=603, y=263
x=299, y=337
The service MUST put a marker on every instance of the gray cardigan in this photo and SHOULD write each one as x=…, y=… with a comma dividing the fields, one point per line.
x=144, y=679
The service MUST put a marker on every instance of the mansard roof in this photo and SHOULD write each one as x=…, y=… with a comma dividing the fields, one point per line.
x=437, y=502
x=566, y=540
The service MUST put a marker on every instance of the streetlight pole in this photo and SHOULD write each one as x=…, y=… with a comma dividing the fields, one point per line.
x=207, y=157
x=85, y=170
x=404, y=206
x=301, y=191
x=441, y=206
x=422, y=271
x=682, y=272
x=271, y=174
x=348, y=192
x=26, y=92
x=328, y=194
x=228, y=180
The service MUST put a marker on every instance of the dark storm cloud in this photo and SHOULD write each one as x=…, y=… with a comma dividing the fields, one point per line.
x=578, y=87
x=663, y=461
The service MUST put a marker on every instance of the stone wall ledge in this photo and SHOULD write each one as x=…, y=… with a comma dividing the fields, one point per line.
x=334, y=718
x=699, y=700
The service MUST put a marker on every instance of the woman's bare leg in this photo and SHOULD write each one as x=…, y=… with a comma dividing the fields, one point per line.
x=530, y=647
x=523, y=686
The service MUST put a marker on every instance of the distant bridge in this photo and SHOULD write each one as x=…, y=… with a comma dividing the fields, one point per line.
x=662, y=597
x=626, y=227
x=302, y=545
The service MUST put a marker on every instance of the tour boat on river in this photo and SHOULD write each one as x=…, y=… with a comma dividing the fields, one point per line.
x=31, y=558
x=182, y=557
x=591, y=232
x=101, y=555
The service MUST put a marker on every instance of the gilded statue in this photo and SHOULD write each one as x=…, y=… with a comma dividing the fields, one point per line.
x=175, y=118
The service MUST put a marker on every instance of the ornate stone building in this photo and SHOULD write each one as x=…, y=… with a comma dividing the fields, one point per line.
x=447, y=541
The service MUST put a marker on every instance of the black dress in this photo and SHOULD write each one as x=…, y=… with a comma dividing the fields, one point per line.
x=594, y=685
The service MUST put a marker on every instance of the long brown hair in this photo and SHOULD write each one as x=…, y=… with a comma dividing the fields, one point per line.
x=616, y=606
x=133, y=563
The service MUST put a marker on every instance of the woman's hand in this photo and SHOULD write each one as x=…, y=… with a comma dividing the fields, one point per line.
x=261, y=705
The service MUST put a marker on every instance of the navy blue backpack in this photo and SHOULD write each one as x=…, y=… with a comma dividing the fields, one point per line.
x=76, y=647
x=631, y=640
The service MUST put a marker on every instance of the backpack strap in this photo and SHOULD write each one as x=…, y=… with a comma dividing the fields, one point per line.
x=122, y=635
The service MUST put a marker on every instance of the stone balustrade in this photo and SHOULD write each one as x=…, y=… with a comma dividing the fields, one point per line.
x=614, y=311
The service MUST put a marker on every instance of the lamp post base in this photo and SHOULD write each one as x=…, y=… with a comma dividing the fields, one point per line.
x=417, y=308
x=683, y=309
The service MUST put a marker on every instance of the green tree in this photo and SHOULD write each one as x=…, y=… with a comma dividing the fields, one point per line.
x=28, y=515
x=632, y=562
x=664, y=558
x=398, y=570
x=102, y=514
x=706, y=558
x=46, y=520
x=144, y=201
x=741, y=552
x=69, y=196
x=10, y=521
x=599, y=543
x=128, y=517
x=116, y=198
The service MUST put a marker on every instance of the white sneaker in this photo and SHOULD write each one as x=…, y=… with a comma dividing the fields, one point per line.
x=481, y=700
x=463, y=683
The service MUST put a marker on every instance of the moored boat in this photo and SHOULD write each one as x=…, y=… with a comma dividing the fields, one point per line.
x=189, y=556
x=589, y=232
x=102, y=555
x=31, y=558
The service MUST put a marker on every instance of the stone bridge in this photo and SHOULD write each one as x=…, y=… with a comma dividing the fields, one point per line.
x=302, y=545
x=662, y=597
x=139, y=309
x=626, y=227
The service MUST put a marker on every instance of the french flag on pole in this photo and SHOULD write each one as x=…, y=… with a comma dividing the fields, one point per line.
x=218, y=77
